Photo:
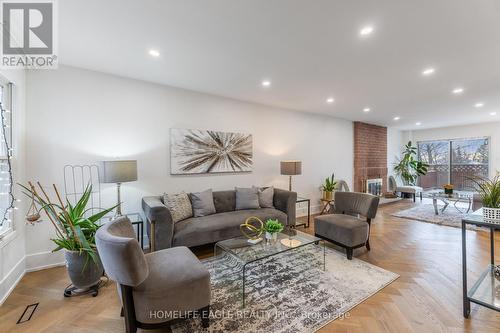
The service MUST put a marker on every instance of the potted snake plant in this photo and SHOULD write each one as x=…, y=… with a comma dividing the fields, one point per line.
x=328, y=187
x=75, y=233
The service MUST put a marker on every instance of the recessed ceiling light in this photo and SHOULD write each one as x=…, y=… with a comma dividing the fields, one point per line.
x=428, y=71
x=397, y=118
x=479, y=105
x=457, y=91
x=154, y=53
x=418, y=123
x=366, y=110
x=330, y=100
x=493, y=113
x=365, y=31
x=266, y=83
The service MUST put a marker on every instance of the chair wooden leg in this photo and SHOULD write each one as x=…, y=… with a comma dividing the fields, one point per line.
x=368, y=245
x=349, y=253
x=122, y=313
x=205, y=316
x=421, y=196
x=128, y=309
x=414, y=196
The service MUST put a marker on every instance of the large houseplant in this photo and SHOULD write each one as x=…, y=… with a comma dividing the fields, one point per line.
x=328, y=187
x=75, y=233
x=409, y=168
x=489, y=191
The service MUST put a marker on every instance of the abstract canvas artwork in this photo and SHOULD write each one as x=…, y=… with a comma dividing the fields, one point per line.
x=202, y=151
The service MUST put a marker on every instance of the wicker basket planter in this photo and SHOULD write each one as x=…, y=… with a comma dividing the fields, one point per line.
x=491, y=215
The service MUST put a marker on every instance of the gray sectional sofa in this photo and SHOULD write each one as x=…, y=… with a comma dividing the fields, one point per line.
x=222, y=225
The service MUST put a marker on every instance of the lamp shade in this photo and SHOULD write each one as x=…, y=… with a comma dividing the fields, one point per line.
x=118, y=171
x=291, y=168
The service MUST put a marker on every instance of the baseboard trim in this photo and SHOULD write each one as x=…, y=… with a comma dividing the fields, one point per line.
x=44, y=260
x=21, y=271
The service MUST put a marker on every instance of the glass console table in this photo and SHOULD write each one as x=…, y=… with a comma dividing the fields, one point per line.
x=486, y=290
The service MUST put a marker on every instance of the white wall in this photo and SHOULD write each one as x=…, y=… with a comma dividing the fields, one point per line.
x=79, y=116
x=395, y=143
x=491, y=130
x=12, y=246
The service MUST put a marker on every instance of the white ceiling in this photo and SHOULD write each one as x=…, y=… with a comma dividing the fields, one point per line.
x=310, y=50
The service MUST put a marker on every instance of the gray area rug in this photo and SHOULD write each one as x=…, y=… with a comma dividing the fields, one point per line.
x=289, y=292
x=425, y=213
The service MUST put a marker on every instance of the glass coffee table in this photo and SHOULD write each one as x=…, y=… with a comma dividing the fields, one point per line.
x=247, y=253
x=446, y=199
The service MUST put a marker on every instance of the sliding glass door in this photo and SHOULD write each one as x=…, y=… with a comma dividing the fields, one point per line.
x=454, y=162
x=437, y=155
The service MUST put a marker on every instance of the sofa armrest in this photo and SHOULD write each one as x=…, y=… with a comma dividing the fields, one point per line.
x=156, y=212
x=286, y=202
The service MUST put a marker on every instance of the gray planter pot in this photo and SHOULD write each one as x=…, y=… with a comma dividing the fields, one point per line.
x=83, y=276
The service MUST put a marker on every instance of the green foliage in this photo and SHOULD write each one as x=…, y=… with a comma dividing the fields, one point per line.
x=489, y=190
x=273, y=226
x=409, y=168
x=75, y=231
x=329, y=185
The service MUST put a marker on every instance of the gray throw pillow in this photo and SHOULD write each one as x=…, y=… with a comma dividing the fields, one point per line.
x=203, y=203
x=266, y=196
x=247, y=198
x=179, y=206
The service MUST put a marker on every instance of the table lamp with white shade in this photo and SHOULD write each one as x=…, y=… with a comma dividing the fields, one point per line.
x=118, y=172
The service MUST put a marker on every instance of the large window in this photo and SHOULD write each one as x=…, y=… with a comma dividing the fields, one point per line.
x=5, y=134
x=454, y=162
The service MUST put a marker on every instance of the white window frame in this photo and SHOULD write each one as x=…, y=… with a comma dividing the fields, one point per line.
x=7, y=101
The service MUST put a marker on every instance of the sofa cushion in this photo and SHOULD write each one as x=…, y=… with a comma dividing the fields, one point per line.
x=203, y=203
x=177, y=281
x=224, y=201
x=266, y=196
x=247, y=198
x=179, y=206
x=344, y=229
x=210, y=229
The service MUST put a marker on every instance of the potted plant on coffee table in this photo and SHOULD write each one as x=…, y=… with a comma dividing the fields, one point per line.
x=75, y=232
x=272, y=228
x=489, y=191
x=328, y=187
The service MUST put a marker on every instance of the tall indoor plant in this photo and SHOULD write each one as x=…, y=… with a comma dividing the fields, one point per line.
x=75, y=233
x=409, y=168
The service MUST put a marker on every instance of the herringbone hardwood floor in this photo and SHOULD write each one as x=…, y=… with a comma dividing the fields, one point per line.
x=426, y=298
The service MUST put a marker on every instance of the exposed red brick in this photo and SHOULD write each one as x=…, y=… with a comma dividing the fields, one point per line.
x=370, y=154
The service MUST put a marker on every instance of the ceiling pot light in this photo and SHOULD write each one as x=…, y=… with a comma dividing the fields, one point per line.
x=428, y=71
x=365, y=31
x=457, y=91
x=266, y=83
x=418, y=123
x=397, y=118
x=330, y=100
x=154, y=53
x=366, y=110
x=493, y=113
x=479, y=105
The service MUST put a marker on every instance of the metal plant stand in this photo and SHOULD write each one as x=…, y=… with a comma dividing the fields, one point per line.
x=486, y=290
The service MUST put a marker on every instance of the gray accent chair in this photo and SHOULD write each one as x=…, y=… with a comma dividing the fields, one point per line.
x=396, y=186
x=342, y=186
x=224, y=224
x=156, y=289
x=345, y=227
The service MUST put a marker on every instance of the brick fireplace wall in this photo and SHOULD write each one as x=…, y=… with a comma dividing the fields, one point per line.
x=370, y=154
